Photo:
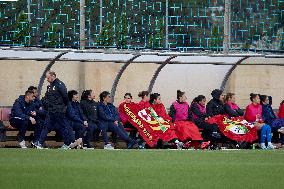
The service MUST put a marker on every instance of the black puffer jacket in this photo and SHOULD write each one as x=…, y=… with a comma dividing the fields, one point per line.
x=90, y=110
x=56, y=98
x=215, y=106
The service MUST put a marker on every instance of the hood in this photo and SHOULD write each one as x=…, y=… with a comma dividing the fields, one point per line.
x=216, y=94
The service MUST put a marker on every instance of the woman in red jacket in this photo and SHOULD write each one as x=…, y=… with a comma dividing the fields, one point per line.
x=159, y=108
x=253, y=114
x=126, y=123
x=144, y=103
x=281, y=110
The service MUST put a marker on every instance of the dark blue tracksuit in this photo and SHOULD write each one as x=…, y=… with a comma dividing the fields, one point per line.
x=20, y=118
x=107, y=116
x=40, y=116
x=90, y=111
x=270, y=118
x=55, y=102
x=76, y=118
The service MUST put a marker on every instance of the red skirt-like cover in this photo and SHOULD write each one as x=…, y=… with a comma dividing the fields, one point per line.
x=187, y=130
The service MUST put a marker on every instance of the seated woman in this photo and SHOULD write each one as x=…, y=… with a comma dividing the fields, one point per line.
x=144, y=103
x=200, y=117
x=231, y=108
x=216, y=105
x=126, y=123
x=77, y=120
x=90, y=111
x=253, y=114
x=182, y=117
x=281, y=110
x=277, y=125
x=159, y=108
x=109, y=120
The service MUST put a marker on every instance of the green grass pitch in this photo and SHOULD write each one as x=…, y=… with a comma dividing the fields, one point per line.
x=101, y=169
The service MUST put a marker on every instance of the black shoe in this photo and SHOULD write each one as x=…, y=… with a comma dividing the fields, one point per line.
x=88, y=145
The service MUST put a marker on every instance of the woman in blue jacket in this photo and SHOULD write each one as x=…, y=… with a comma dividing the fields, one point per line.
x=76, y=118
x=269, y=117
x=109, y=120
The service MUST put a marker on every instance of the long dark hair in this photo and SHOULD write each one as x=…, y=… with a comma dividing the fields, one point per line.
x=86, y=94
x=198, y=99
x=179, y=94
x=71, y=94
x=154, y=96
x=103, y=95
x=253, y=96
x=143, y=93
x=128, y=94
x=262, y=98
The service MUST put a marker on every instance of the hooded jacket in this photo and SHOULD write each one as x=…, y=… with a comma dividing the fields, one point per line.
x=215, y=106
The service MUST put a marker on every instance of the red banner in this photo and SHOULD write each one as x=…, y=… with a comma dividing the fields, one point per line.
x=150, y=126
x=236, y=128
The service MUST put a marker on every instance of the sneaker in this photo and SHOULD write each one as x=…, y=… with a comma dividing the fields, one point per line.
x=108, y=147
x=216, y=135
x=142, y=146
x=76, y=144
x=270, y=146
x=131, y=144
x=33, y=144
x=205, y=145
x=281, y=130
x=262, y=146
x=38, y=145
x=23, y=144
x=179, y=145
x=65, y=147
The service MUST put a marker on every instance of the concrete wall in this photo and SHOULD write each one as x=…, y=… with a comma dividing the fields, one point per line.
x=193, y=79
x=259, y=79
x=17, y=75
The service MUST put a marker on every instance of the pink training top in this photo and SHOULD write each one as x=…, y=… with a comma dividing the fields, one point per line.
x=201, y=108
x=181, y=111
x=252, y=111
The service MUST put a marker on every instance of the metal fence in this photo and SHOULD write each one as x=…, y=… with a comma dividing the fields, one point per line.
x=140, y=24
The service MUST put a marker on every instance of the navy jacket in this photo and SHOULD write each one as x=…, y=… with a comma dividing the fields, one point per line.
x=74, y=112
x=40, y=111
x=215, y=106
x=90, y=110
x=107, y=112
x=21, y=109
x=56, y=98
x=267, y=112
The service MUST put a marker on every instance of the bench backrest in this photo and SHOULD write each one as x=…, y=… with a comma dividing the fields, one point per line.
x=5, y=114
